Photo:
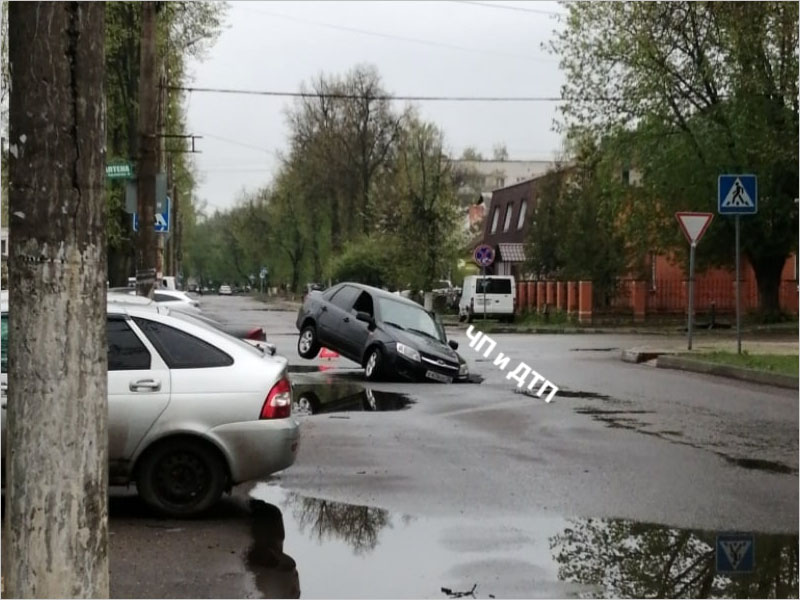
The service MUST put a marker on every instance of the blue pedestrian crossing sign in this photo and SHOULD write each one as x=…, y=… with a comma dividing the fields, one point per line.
x=161, y=224
x=736, y=553
x=737, y=195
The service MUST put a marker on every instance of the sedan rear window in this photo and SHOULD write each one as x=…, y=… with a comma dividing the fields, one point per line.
x=181, y=350
x=494, y=286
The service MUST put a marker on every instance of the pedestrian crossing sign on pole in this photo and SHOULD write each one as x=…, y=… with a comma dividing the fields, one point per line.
x=737, y=195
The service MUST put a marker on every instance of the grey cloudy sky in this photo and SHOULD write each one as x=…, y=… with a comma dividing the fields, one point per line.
x=461, y=49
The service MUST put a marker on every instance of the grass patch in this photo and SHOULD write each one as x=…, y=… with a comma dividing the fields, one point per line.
x=774, y=363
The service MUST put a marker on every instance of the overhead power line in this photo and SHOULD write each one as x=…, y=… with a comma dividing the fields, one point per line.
x=338, y=96
x=535, y=11
x=395, y=37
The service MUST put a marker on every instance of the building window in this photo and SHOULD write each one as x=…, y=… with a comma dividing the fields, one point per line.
x=626, y=177
x=523, y=208
x=509, y=211
x=495, y=216
x=500, y=182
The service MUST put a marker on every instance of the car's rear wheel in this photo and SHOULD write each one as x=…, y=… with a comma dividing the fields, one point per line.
x=308, y=344
x=373, y=365
x=181, y=477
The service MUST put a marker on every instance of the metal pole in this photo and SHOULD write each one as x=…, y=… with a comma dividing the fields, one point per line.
x=738, y=294
x=691, y=291
x=484, y=292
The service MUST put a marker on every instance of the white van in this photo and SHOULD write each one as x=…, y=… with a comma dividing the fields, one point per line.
x=500, y=297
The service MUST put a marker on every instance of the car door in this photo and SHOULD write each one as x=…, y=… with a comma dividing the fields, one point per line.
x=138, y=388
x=355, y=333
x=334, y=314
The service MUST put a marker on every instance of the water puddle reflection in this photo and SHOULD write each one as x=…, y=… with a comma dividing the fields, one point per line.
x=312, y=396
x=320, y=548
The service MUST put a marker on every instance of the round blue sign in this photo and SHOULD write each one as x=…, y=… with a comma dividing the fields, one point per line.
x=484, y=255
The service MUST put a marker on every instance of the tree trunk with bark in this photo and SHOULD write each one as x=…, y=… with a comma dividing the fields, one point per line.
x=55, y=541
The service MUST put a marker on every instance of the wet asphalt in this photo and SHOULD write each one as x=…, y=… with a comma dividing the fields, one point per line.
x=618, y=487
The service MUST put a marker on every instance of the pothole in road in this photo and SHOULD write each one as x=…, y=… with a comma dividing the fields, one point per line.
x=293, y=536
x=760, y=465
x=593, y=349
x=562, y=393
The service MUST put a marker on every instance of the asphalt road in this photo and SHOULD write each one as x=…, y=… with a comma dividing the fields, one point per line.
x=630, y=470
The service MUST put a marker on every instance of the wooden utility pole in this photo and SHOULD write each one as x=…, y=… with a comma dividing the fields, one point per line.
x=149, y=153
x=55, y=539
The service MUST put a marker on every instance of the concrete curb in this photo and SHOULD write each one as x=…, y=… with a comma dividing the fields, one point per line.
x=708, y=368
x=632, y=355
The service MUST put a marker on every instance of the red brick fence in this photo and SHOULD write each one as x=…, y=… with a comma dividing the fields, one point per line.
x=640, y=299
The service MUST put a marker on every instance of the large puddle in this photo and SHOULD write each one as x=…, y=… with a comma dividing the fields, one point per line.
x=315, y=548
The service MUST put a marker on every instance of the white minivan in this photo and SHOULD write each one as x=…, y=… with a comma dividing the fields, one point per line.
x=499, y=292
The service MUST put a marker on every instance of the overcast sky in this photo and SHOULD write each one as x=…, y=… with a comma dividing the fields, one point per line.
x=447, y=49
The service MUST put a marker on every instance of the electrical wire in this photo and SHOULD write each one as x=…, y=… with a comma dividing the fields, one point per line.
x=535, y=11
x=395, y=37
x=214, y=90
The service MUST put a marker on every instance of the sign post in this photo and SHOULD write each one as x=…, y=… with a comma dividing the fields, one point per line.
x=483, y=256
x=693, y=225
x=737, y=195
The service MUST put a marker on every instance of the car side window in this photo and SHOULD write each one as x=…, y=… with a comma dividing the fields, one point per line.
x=126, y=352
x=345, y=297
x=181, y=350
x=364, y=304
x=162, y=297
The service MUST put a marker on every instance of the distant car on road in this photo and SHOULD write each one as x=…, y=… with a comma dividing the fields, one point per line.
x=170, y=298
x=225, y=290
x=494, y=295
x=192, y=411
x=383, y=332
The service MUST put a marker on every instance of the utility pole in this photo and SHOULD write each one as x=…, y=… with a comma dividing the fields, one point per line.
x=55, y=537
x=149, y=153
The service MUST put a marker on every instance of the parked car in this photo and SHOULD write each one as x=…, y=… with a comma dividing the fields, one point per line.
x=383, y=332
x=225, y=290
x=445, y=288
x=170, y=298
x=494, y=295
x=192, y=411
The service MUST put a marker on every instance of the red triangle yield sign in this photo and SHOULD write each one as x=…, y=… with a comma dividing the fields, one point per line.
x=694, y=224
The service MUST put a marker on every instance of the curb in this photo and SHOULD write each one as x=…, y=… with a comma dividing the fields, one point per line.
x=741, y=373
x=639, y=356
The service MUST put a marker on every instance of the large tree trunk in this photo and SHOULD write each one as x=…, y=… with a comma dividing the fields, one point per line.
x=768, y=271
x=55, y=541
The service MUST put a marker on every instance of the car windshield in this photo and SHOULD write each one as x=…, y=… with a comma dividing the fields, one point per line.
x=409, y=317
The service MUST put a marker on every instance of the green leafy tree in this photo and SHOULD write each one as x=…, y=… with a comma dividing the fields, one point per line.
x=699, y=89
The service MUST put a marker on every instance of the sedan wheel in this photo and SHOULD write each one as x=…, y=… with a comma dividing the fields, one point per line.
x=181, y=478
x=307, y=345
x=372, y=368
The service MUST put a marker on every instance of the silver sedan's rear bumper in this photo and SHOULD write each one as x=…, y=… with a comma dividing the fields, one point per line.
x=257, y=449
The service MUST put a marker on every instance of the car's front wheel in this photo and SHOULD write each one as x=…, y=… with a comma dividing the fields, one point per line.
x=181, y=478
x=373, y=366
x=308, y=344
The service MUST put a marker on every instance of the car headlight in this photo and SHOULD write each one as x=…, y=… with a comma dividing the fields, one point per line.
x=463, y=370
x=408, y=352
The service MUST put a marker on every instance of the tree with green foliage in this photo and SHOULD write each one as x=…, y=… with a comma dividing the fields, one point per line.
x=694, y=90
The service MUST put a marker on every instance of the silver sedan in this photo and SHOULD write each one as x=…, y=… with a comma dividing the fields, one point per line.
x=192, y=411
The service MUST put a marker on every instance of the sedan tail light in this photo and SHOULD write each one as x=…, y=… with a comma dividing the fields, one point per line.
x=278, y=404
